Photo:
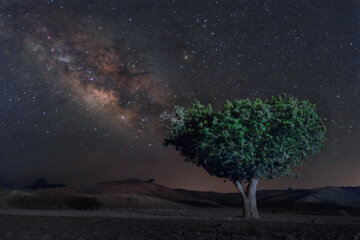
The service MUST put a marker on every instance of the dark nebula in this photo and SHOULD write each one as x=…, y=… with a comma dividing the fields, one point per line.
x=82, y=83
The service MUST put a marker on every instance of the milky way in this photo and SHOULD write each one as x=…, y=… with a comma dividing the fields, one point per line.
x=98, y=71
x=82, y=83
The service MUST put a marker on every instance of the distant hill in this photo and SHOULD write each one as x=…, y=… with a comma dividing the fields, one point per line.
x=328, y=197
x=135, y=193
x=42, y=183
x=145, y=188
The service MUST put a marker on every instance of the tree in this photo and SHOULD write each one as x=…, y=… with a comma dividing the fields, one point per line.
x=40, y=183
x=151, y=180
x=246, y=140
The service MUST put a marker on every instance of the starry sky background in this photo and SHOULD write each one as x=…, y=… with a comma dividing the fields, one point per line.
x=82, y=83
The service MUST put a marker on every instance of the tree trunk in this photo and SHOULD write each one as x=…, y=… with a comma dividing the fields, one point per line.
x=248, y=194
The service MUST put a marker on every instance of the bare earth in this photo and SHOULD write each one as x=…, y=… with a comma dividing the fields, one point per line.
x=194, y=223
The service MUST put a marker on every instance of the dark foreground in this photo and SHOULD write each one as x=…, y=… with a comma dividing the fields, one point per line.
x=170, y=224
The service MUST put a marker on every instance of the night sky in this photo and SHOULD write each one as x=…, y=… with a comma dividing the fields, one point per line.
x=82, y=83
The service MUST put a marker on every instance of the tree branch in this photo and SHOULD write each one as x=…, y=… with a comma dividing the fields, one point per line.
x=240, y=187
x=245, y=185
x=252, y=185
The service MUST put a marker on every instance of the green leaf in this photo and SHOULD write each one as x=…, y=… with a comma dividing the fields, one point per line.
x=245, y=138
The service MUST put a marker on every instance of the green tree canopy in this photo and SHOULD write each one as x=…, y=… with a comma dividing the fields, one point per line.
x=246, y=138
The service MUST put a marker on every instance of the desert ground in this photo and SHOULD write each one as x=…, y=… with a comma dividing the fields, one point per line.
x=135, y=209
x=194, y=223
